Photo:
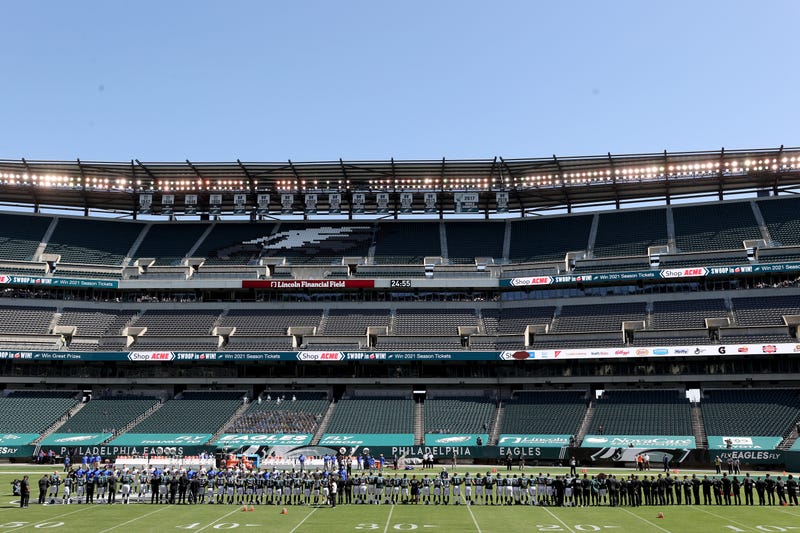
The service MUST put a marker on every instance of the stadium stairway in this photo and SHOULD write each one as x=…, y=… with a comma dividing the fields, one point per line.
x=789, y=440
x=45, y=239
x=141, y=417
x=239, y=412
x=52, y=429
x=419, y=424
x=498, y=423
x=323, y=425
x=586, y=423
x=698, y=426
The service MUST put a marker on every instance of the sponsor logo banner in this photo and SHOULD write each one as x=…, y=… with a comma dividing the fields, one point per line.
x=236, y=440
x=750, y=456
x=544, y=441
x=448, y=439
x=638, y=441
x=308, y=284
x=59, y=282
x=151, y=356
x=17, y=451
x=161, y=439
x=378, y=439
x=17, y=439
x=716, y=442
x=73, y=439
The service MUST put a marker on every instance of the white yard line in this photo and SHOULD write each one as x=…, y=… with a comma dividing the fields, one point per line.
x=474, y=521
x=721, y=517
x=551, y=513
x=49, y=519
x=388, y=519
x=218, y=519
x=134, y=519
x=645, y=520
x=303, y=520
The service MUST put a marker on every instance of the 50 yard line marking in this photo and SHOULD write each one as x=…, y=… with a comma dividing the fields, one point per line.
x=645, y=520
x=469, y=508
x=50, y=519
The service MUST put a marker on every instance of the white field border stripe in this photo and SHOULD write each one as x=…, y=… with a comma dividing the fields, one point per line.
x=474, y=521
x=645, y=520
x=388, y=519
x=226, y=515
x=722, y=517
x=787, y=512
x=49, y=519
x=303, y=520
x=134, y=519
x=551, y=513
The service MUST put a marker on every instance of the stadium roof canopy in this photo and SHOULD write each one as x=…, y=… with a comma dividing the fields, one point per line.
x=531, y=184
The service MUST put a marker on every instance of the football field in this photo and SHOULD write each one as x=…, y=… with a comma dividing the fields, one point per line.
x=101, y=518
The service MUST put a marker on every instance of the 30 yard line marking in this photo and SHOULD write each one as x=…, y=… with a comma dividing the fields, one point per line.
x=473, y=519
x=134, y=519
x=645, y=520
x=303, y=520
x=218, y=519
x=389, y=519
x=557, y=518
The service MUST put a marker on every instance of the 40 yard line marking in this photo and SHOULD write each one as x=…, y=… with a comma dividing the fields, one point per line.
x=218, y=519
x=303, y=520
x=721, y=517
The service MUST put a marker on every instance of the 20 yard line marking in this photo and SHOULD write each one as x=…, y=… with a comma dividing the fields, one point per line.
x=303, y=520
x=473, y=519
x=388, y=520
x=134, y=519
x=557, y=518
x=645, y=520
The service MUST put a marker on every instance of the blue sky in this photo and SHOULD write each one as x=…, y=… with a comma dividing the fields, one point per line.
x=303, y=80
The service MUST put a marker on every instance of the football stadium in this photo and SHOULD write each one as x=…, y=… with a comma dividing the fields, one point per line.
x=554, y=344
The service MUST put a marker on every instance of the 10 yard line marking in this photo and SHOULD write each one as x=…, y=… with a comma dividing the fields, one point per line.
x=388, y=520
x=557, y=518
x=303, y=520
x=473, y=519
x=218, y=519
x=134, y=519
x=646, y=520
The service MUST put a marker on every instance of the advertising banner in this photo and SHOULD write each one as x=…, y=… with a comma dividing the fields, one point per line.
x=237, y=440
x=543, y=441
x=308, y=284
x=76, y=439
x=17, y=439
x=379, y=439
x=449, y=439
x=59, y=282
x=161, y=439
x=639, y=441
x=743, y=443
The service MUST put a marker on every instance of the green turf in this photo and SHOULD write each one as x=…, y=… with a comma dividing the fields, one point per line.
x=381, y=518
